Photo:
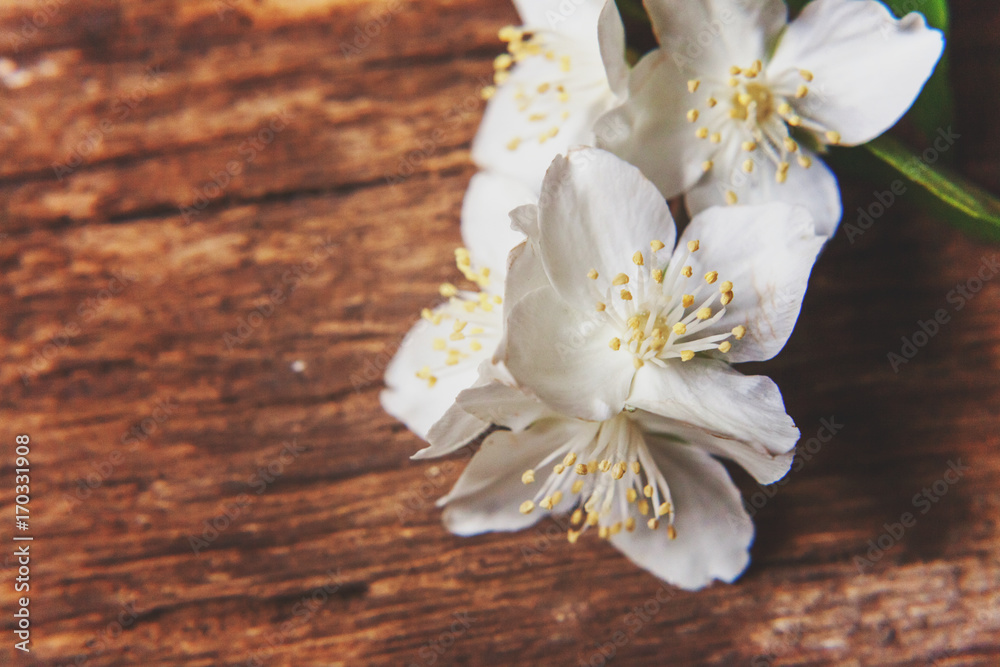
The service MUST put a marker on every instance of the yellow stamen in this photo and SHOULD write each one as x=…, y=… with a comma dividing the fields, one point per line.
x=620, y=279
x=725, y=346
x=637, y=258
x=527, y=506
x=739, y=332
x=711, y=277
x=528, y=476
x=687, y=355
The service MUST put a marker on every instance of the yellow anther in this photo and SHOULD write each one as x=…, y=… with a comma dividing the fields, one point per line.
x=637, y=259
x=784, y=109
x=626, y=295
x=604, y=465
x=725, y=286
x=616, y=528
x=805, y=161
x=791, y=145
x=707, y=165
x=577, y=486
x=592, y=519
x=528, y=476
x=687, y=355
x=546, y=503
x=794, y=121
x=603, y=532
x=734, y=70
x=731, y=197
x=630, y=524
x=833, y=137
x=558, y=468
x=572, y=536
x=748, y=166
x=619, y=280
x=664, y=508
x=704, y=313
x=739, y=332
x=744, y=99
x=631, y=495
x=440, y=344
x=725, y=346
x=619, y=470
x=643, y=507
x=711, y=277
x=447, y=290
x=565, y=63
x=726, y=298
x=592, y=274
x=687, y=271
x=543, y=88
x=693, y=85
x=715, y=138
x=469, y=306
x=733, y=82
x=601, y=307
x=569, y=459
x=637, y=363
x=801, y=91
x=488, y=92
x=500, y=77
x=615, y=344
x=694, y=245
x=712, y=102
x=806, y=74
x=692, y=115
x=671, y=532
x=648, y=490
x=503, y=61
x=513, y=144
x=701, y=133
x=424, y=373
x=498, y=299
x=658, y=275
x=653, y=524
x=458, y=335
x=527, y=506
x=780, y=176
x=687, y=300
x=458, y=325
x=580, y=469
x=577, y=516
x=592, y=466
x=636, y=467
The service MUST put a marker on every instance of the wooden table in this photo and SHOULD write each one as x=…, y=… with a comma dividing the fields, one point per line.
x=196, y=355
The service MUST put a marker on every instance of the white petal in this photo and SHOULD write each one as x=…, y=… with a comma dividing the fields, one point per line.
x=710, y=395
x=713, y=35
x=524, y=219
x=577, y=19
x=525, y=274
x=514, y=137
x=486, y=228
x=503, y=405
x=564, y=359
x=651, y=131
x=815, y=188
x=489, y=493
x=767, y=252
x=868, y=67
x=595, y=212
x=611, y=35
x=714, y=532
x=766, y=465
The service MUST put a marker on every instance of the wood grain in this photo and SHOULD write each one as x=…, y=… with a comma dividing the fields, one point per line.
x=127, y=307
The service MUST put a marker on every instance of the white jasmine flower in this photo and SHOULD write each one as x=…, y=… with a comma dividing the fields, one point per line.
x=443, y=352
x=559, y=75
x=646, y=483
x=730, y=106
x=624, y=319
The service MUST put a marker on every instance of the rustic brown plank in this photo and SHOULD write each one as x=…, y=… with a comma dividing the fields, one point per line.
x=350, y=511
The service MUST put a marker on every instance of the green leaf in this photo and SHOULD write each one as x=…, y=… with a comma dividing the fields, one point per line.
x=952, y=197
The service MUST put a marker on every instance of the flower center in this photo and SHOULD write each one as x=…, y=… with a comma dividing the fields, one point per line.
x=610, y=479
x=762, y=108
x=544, y=100
x=464, y=323
x=661, y=315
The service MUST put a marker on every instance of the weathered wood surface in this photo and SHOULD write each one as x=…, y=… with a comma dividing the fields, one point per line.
x=121, y=313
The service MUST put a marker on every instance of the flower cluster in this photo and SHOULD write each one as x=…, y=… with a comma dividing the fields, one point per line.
x=591, y=341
